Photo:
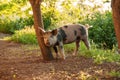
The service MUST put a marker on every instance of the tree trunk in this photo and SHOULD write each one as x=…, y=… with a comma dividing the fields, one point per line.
x=116, y=19
x=46, y=52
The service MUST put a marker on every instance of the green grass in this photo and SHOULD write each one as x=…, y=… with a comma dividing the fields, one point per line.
x=114, y=73
x=98, y=55
x=25, y=36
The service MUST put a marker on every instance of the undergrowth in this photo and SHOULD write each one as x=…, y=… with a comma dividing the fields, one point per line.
x=27, y=36
x=99, y=56
x=114, y=73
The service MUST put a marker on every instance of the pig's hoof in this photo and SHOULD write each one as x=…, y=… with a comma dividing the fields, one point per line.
x=63, y=58
x=74, y=54
x=56, y=58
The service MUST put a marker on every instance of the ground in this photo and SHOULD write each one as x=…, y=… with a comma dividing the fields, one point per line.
x=22, y=62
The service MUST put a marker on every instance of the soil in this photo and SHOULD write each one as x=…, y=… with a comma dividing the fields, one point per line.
x=19, y=63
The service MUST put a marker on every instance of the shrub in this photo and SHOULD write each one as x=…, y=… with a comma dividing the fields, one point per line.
x=12, y=18
x=10, y=26
x=21, y=23
x=102, y=32
x=19, y=1
x=5, y=6
x=25, y=36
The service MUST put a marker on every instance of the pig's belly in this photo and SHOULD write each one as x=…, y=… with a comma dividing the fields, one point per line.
x=69, y=39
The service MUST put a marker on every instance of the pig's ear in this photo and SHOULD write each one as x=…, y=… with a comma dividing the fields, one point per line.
x=54, y=32
x=87, y=26
x=41, y=29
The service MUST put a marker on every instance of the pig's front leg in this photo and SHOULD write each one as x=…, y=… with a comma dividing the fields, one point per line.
x=56, y=51
x=61, y=49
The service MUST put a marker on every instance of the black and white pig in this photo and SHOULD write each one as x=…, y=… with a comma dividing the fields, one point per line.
x=65, y=35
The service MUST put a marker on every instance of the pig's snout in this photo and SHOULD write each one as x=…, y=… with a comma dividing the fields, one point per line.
x=47, y=43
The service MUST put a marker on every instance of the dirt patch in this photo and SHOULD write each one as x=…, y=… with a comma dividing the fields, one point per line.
x=19, y=63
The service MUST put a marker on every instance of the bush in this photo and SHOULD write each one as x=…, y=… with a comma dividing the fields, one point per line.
x=102, y=32
x=21, y=23
x=19, y=1
x=5, y=6
x=10, y=26
x=25, y=36
x=12, y=18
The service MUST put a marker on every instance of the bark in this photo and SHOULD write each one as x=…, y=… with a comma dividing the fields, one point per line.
x=46, y=52
x=116, y=19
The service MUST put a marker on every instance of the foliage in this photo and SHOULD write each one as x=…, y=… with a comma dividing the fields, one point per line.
x=21, y=23
x=9, y=26
x=99, y=56
x=114, y=73
x=12, y=17
x=25, y=36
x=48, y=11
x=19, y=1
x=102, y=30
x=5, y=6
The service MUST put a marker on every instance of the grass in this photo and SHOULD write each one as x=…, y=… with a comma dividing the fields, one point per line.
x=29, y=47
x=98, y=55
x=114, y=73
x=27, y=36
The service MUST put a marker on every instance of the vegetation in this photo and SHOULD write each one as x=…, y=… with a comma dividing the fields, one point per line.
x=12, y=17
x=25, y=36
x=17, y=19
x=100, y=62
x=99, y=56
x=102, y=33
x=55, y=15
x=115, y=73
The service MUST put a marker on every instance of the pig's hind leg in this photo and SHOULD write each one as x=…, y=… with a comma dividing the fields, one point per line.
x=86, y=42
x=77, y=46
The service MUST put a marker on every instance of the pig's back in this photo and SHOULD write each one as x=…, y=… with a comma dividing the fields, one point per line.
x=71, y=32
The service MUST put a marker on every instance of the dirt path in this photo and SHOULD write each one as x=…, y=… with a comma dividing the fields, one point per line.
x=19, y=62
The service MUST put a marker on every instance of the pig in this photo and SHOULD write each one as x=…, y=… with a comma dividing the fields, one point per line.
x=65, y=35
